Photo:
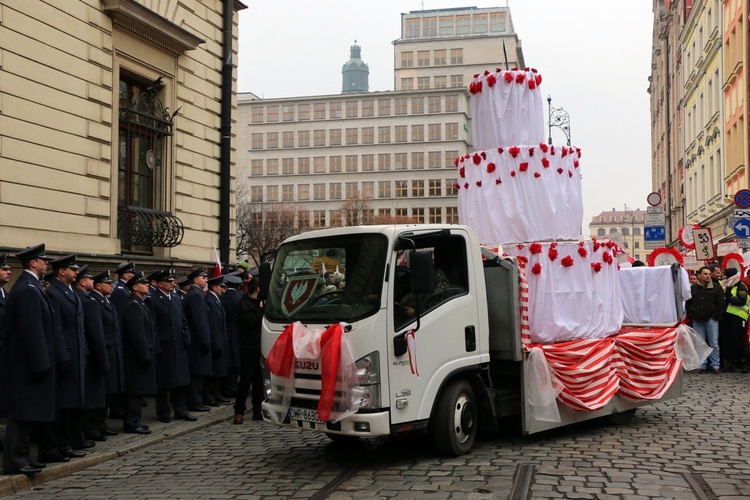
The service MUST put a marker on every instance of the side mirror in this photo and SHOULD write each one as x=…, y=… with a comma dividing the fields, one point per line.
x=421, y=271
x=264, y=275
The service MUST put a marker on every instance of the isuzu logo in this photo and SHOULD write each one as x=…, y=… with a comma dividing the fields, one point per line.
x=301, y=364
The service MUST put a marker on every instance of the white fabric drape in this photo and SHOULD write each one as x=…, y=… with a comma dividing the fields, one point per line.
x=533, y=196
x=648, y=295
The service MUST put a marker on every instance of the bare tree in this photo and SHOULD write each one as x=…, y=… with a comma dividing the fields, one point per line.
x=356, y=211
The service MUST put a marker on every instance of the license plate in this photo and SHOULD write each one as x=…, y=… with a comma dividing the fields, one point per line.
x=304, y=414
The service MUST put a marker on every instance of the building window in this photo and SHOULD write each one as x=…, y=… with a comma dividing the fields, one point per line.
x=400, y=135
x=287, y=166
x=319, y=218
x=334, y=164
x=303, y=112
x=433, y=159
x=417, y=189
x=272, y=140
x=423, y=58
x=480, y=23
x=352, y=163
x=401, y=162
x=384, y=189
x=637, y=244
x=352, y=190
x=457, y=56
x=319, y=137
x=334, y=110
x=417, y=105
x=456, y=81
x=256, y=114
x=287, y=192
x=463, y=25
x=303, y=165
x=402, y=189
x=334, y=191
x=451, y=103
x=352, y=109
x=613, y=230
x=625, y=231
x=450, y=187
x=441, y=82
x=451, y=215
x=439, y=57
x=400, y=105
x=451, y=131
x=435, y=215
x=384, y=107
x=368, y=163
x=287, y=139
x=423, y=83
x=303, y=219
x=433, y=104
x=450, y=158
x=256, y=168
x=319, y=111
x=429, y=26
x=352, y=136
x=417, y=133
x=272, y=193
x=625, y=244
x=368, y=190
x=334, y=137
x=336, y=218
x=636, y=231
x=407, y=84
x=319, y=192
x=433, y=132
x=303, y=192
x=368, y=135
x=256, y=194
x=407, y=59
x=287, y=112
x=384, y=161
x=272, y=166
x=497, y=22
x=368, y=107
x=601, y=232
x=319, y=165
x=303, y=138
x=256, y=141
x=402, y=213
x=384, y=135
x=417, y=161
x=272, y=113
x=435, y=187
x=412, y=28
x=418, y=215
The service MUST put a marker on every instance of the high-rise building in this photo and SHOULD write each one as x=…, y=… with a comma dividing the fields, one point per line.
x=392, y=150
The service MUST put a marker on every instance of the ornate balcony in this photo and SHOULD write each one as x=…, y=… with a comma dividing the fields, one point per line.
x=145, y=227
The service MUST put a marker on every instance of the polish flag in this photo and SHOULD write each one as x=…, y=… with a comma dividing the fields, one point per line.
x=217, y=269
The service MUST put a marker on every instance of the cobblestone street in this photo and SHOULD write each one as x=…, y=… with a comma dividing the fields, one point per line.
x=692, y=447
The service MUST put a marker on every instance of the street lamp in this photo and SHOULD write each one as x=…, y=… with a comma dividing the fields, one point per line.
x=559, y=118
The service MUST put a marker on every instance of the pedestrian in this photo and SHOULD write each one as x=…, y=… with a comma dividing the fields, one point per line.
x=250, y=317
x=174, y=338
x=217, y=319
x=71, y=391
x=199, y=354
x=29, y=363
x=113, y=379
x=139, y=355
x=230, y=300
x=733, y=326
x=5, y=273
x=97, y=362
x=121, y=293
x=706, y=308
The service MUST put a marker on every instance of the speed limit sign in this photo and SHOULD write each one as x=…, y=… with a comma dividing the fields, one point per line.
x=704, y=244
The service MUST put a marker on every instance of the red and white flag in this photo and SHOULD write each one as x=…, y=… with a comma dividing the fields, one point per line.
x=217, y=269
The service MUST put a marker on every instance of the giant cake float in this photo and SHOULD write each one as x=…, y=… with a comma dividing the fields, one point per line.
x=520, y=193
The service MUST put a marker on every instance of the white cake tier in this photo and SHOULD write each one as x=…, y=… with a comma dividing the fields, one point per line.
x=574, y=290
x=521, y=193
x=506, y=109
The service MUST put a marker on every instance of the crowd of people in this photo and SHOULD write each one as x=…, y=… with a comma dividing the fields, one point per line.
x=77, y=347
x=718, y=312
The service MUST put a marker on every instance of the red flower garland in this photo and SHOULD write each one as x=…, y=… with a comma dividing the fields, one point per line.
x=491, y=80
x=462, y=172
x=535, y=248
x=545, y=162
x=500, y=150
x=508, y=77
x=567, y=261
x=575, y=163
x=552, y=253
x=596, y=266
x=520, y=78
x=538, y=78
x=490, y=167
x=543, y=147
x=524, y=166
x=531, y=152
x=607, y=257
x=456, y=161
x=532, y=84
x=476, y=159
x=514, y=151
x=583, y=252
x=466, y=185
x=536, y=268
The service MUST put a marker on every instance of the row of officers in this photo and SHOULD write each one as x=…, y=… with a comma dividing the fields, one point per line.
x=76, y=346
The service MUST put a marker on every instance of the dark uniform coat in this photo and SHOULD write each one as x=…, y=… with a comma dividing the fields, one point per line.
x=218, y=323
x=196, y=313
x=230, y=300
x=113, y=380
x=138, y=351
x=69, y=313
x=3, y=313
x=97, y=363
x=120, y=296
x=173, y=337
x=28, y=368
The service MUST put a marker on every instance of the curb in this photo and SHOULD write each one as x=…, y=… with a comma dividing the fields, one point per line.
x=18, y=482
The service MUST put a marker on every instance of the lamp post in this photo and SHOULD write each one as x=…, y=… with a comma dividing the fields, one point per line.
x=558, y=117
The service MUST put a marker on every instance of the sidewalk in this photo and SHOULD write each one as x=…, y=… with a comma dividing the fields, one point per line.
x=117, y=446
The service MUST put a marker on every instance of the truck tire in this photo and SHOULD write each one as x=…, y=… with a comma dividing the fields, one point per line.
x=622, y=417
x=454, y=425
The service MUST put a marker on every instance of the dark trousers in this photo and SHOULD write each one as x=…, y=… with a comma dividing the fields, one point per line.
x=251, y=374
x=115, y=405
x=69, y=428
x=195, y=393
x=133, y=407
x=229, y=388
x=177, y=396
x=16, y=454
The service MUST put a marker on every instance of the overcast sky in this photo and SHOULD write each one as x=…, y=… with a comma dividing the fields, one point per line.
x=594, y=55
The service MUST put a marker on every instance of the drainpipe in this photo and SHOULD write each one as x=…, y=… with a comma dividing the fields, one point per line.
x=226, y=133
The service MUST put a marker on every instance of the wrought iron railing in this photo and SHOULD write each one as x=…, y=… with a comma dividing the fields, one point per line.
x=138, y=226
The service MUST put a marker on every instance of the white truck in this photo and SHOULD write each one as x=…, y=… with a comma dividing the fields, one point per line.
x=468, y=351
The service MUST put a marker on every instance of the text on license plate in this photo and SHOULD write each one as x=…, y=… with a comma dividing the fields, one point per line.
x=304, y=414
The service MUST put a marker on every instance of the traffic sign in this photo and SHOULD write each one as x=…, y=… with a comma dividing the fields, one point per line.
x=654, y=210
x=742, y=228
x=704, y=243
x=654, y=219
x=654, y=233
x=653, y=199
x=740, y=213
x=742, y=198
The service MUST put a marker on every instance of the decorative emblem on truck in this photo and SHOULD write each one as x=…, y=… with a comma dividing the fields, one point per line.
x=298, y=291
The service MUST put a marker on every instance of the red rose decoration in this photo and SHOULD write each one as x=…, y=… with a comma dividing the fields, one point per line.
x=479, y=183
x=559, y=171
x=462, y=172
x=526, y=68
x=567, y=261
x=583, y=252
x=575, y=163
x=538, y=79
x=552, y=253
x=498, y=181
x=552, y=150
x=500, y=150
x=490, y=167
x=536, y=268
x=524, y=166
x=457, y=186
x=514, y=68
x=456, y=160
x=607, y=257
x=596, y=266
x=543, y=147
x=570, y=174
x=596, y=246
x=519, y=246
x=484, y=155
x=486, y=72
x=508, y=77
x=532, y=84
x=472, y=88
x=466, y=185
x=531, y=152
x=535, y=248
x=522, y=259
x=514, y=151
x=564, y=152
x=520, y=78
x=545, y=162
x=533, y=70
x=491, y=81
x=578, y=150
x=478, y=87
x=512, y=173
x=476, y=75
x=476, y=159
x=537, y=175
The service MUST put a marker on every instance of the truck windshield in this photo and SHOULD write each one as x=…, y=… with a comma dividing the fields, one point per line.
x=327, y=279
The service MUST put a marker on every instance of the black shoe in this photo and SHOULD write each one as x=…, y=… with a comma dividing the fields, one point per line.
x=222, y=400
x=257, y=415
x=70, y=454
x=96, y=436
x=199, y=408
x=108, y=432
x=137, y=430
x=212, y=403
x=185, y=416
x=26, y=469
x=37, y=465
x=166, y=419
x=82, y=445
x=53, y=457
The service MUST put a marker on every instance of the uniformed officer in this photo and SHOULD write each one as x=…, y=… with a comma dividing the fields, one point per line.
x=218, y=323
x=182, y=287
x=97, y=363
x=29, y=359
x=121, y=293
x=113, y=379
x=174, y=338
x=199, y=353
x=230, y=300
x=139, y=354
x=5, y=273
x=71, y=391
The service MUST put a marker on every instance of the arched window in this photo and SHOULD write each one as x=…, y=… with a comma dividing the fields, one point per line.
x=637, y=231
x=625, y=231
x=601, y=232
x=612, y=230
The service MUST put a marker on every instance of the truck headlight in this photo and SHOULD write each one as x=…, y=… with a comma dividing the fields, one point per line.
x=266, y=378
x=366, y=395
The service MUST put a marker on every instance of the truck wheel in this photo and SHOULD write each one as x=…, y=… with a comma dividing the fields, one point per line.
x=622, y=417
x=454, y=425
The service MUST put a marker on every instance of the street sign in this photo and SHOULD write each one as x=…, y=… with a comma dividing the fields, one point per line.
x=742, y=228
x=654, y=219
x=653, y=210
x=742, y=213
x=704, y=244
x=654, y=233
x=742, y=198
x=653, y=199
x=745, y=244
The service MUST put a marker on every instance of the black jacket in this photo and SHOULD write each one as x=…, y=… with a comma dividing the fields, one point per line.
x=173, y=337
x=706, y=302
x=249, y=316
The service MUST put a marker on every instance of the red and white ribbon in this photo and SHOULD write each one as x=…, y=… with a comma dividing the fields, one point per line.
x=411, y=348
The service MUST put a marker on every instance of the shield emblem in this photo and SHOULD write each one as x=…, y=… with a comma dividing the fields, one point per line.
x=298, y=291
